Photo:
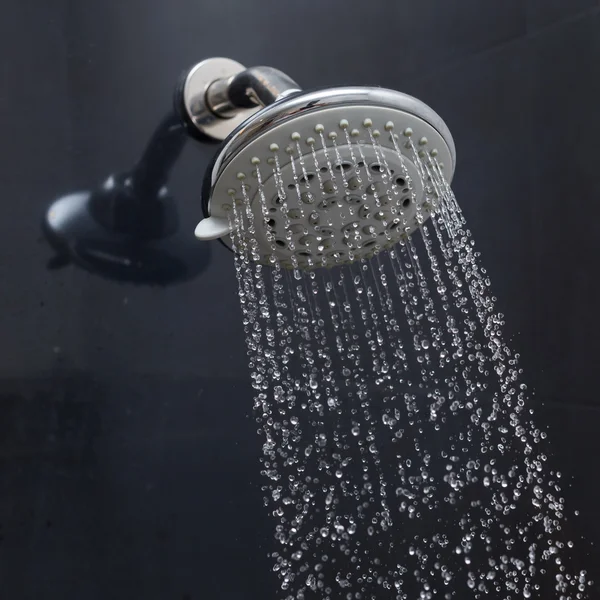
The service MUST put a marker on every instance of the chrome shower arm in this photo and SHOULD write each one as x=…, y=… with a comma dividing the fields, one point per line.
x=256, y=86
x=219, y=94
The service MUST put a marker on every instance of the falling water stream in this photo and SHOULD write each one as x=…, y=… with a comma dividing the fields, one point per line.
x=400, y=452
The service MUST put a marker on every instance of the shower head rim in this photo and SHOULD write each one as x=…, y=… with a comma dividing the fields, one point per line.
x=317, y=100
x=339, y=107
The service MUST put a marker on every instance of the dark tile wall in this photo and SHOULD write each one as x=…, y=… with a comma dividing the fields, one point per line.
x=566, y=230
x=541, y=13
x=128, y=459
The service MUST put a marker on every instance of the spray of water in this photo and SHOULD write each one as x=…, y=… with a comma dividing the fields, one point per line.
x=400, y=455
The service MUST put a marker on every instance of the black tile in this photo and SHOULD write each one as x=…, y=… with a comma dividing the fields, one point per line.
x=541, y=13
x=130, y=488
x=33, y=111
x=566, y=233
x=381, y=43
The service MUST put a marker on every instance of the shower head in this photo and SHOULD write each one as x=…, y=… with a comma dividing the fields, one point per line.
x=313, y=179
x=302, y=179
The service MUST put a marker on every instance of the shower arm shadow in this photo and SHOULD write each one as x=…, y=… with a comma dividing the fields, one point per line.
x=142, y=209
x=128, y=229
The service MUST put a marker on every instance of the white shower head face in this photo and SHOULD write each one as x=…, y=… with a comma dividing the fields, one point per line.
x=328, y=185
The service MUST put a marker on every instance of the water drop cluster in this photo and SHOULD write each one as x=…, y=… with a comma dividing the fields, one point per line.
x=400, y=456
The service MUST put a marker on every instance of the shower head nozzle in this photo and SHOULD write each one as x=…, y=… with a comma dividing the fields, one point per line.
x=321, y=178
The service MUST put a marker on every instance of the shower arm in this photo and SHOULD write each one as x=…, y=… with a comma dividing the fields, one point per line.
x=257, y=86
x=219, y=94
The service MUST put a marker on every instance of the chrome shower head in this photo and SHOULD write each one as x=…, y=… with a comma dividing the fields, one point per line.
x=313, y=179
x=303, y=179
